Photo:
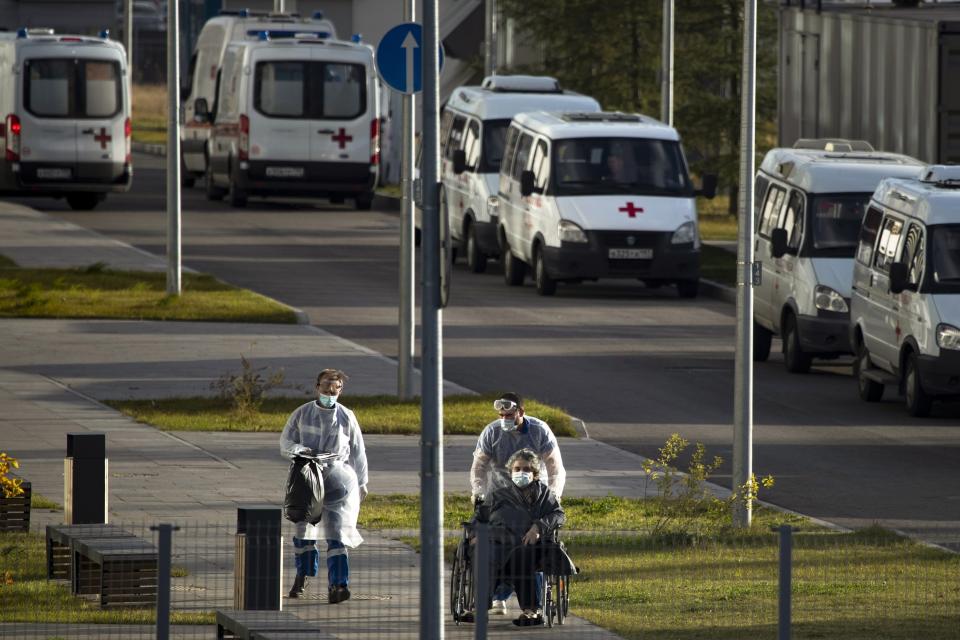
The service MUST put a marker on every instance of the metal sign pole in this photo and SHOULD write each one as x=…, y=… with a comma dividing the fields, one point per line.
x=431, y=521
x=666, y=80
x=128, y=35
x=173, y=149
x=407, y=280
x=490, y=49
x=743, y=375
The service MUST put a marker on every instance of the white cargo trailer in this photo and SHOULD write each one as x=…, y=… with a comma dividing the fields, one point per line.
x=886, y=74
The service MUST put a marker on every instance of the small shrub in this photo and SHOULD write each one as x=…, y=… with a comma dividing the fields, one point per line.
x=10, y=486
x=684, y=503
x=247, y=390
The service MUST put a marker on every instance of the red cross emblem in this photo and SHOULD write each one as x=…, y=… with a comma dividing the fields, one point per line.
x=342, y=138
x=103, y=138
x=631, y=210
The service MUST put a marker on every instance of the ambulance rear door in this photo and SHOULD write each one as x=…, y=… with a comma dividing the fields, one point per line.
x=344, y=108
x=280, y=118
x=101, y=143
x=48, y=138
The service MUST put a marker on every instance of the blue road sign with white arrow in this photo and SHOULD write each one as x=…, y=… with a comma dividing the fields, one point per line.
x=399, y=59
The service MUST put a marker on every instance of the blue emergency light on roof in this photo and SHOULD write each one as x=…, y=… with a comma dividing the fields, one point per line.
x=244, y=13
x=317, y=15
x=22, y=33
x=357, y=37
x=263, y=35
x=105, y=33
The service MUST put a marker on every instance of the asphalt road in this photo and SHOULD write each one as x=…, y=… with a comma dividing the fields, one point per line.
x=635, y=364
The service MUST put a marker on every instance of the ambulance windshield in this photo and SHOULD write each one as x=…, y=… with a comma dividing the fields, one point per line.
x=836, y=223
x=69, y=88
x=494, y=140
x=607, y=166
x=945, y=246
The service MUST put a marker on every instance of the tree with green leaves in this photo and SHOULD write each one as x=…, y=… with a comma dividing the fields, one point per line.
x=611, y=50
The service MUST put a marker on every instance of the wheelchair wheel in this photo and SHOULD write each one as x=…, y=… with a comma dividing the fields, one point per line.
x=461, y=584
x=546, y=597
x=563, y=597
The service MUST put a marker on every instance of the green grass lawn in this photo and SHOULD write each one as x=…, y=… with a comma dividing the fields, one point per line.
x=718, y=265
x=723, y=584
x=376, y=414
x=99, y=292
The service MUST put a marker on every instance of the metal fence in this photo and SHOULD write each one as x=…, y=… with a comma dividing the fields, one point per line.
x=104, y=583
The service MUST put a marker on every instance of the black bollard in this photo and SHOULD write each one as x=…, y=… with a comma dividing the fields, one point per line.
x=85, y=486
x=259, y=559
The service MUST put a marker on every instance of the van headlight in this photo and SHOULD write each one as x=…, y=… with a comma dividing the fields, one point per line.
x=570, y=232
x=827, y=299
x=493, y=206
x=685, y=234
x=948, y=336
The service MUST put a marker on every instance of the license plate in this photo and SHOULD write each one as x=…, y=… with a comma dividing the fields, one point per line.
x=285, y=172
x=53, y=174
x=631, y=254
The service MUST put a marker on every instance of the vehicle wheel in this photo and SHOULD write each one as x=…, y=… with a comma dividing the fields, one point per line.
x=546, y=286
x=870, y=390
x=688, y=288
x=549, y=604
x=416, y=237
x=83, y=201
x=187, y=180
x=456, y=577
x=918, y=402
x=514, y=269
x=762, y=337
x=213, y=191
x=364, y=201
x=794, y=357
x=236, y=197
x=476, y=261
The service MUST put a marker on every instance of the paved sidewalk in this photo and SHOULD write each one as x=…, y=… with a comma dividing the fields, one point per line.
x=54, y=372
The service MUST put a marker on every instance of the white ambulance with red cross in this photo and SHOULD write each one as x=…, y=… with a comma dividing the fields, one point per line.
x=64, y=116
x=584, y=196
x=298, y=117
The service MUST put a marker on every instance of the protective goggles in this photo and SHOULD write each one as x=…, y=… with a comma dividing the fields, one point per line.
x=505, y=405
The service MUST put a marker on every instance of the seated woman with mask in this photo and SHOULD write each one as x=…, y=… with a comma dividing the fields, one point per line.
x=522, y=517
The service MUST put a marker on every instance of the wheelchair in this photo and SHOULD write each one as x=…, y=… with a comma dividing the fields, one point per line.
x=555, y=567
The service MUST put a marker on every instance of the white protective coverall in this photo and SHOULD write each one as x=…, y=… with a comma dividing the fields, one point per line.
x=495, y=446
x=333, y=430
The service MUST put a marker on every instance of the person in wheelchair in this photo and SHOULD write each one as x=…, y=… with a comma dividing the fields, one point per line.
x=524, y=518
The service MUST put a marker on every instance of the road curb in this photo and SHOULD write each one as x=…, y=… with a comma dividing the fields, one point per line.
x=302, y=316
x=150, y=149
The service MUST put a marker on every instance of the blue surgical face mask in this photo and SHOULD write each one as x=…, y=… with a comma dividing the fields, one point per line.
x=522, y=478
x=508, y=424
x=327, y=401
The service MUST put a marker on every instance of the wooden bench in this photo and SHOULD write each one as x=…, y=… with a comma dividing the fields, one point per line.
x=241, y=625
x=290, y=635
x=59, y=537
x=15, y=512
x=123, y=571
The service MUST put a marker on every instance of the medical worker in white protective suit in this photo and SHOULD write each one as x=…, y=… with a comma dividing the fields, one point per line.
x=326, y=426
x=498, y=441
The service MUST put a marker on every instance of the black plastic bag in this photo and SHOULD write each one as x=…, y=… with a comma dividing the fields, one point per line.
x=304, y=499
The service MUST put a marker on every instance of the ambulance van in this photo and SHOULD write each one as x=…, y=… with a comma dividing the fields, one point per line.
x=207, y=60
x=905, y=309
x=295, y=117
x=810, y=201
x=64, y=116
x=473, y=131
x=584, y=196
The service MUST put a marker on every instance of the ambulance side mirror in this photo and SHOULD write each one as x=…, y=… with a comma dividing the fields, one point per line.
x=898, y=277
x=201, y=110
x=459, y=161
x=526, y=183
x=778, y=238
x=708, y=188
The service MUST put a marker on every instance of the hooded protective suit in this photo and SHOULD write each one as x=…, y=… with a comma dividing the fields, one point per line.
x=334, y=430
